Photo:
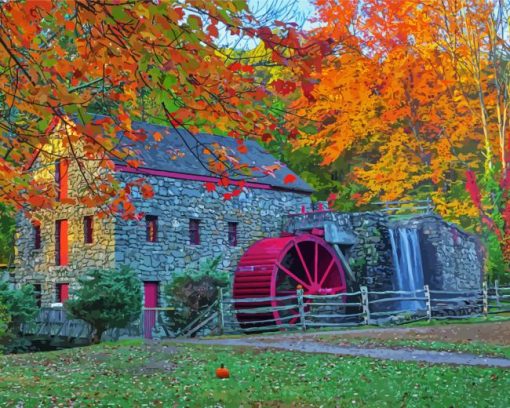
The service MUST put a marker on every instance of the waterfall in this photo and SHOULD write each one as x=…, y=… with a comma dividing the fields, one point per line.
x=408, y=276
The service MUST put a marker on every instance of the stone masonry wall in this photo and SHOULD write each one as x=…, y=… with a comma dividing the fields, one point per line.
x=37, y=266
x=452, y=259
x=117, y=242
x=257, y=212
x=369, y=252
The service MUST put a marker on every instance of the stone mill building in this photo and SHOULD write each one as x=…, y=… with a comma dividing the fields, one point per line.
x=183, y=224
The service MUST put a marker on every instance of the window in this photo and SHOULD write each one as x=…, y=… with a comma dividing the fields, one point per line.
x=61, y=178
x=62, y=292
x=232, y=233
x=88, y=229
x=38, y=293
x=61, y=243
x=37, y=236
x=194, y=231
x=151, y=225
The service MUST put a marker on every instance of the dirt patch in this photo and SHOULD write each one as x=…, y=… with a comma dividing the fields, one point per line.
x=161, y=360
x=100, y=357
x=491, y=333
x=157, y=366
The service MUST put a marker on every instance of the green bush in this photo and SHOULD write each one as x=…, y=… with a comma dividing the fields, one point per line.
x=17, y=306
x=192, y=291
x=106, y=299
x=5, y=319
x=20, y=303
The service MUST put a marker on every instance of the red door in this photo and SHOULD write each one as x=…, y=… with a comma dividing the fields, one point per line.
x=151, y=301
x=64, y=292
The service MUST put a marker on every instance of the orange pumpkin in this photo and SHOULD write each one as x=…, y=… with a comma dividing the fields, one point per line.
x=222, y=372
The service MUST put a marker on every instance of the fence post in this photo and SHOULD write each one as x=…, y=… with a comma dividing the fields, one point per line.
x=496, y=292
x=364, y=301
x=221, y=323
x=301, y=307
x=428, y=303
x=485, y=299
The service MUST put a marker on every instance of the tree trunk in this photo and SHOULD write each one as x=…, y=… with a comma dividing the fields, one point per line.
x=96, y=337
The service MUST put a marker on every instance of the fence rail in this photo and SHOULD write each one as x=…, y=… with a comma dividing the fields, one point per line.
x=360, y=307
x=53, y=322
x=297, y=311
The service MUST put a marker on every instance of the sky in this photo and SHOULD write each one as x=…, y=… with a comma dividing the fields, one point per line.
x=290, y=10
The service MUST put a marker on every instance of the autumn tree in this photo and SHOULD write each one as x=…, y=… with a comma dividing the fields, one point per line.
x=416, y=91
x=62, y=60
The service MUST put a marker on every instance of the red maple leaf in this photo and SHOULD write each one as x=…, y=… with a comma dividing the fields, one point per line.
x=289, y=178
x=210, y=186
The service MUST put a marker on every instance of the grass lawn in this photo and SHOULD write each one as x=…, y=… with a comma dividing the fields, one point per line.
x=128, y=374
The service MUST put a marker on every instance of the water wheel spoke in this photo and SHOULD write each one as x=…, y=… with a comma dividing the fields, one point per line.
x=305, y=266
x=293, y=276
x=295, y=319
x=316, y=262
x=328, y=270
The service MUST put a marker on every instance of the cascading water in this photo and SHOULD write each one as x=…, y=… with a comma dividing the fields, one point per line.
x=408, y=276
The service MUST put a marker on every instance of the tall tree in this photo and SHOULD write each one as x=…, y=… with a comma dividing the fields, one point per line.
x=419, y=90
x=60, y=60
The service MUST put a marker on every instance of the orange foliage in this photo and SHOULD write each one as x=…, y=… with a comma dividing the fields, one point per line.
x=63, y=59
x=416, y=89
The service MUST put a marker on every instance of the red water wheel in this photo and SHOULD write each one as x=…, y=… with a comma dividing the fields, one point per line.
x=274, y=267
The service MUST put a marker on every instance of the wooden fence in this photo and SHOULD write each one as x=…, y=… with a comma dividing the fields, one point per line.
x=53, y=322
x=498, y=299
x=301, y=311
x=296, y=311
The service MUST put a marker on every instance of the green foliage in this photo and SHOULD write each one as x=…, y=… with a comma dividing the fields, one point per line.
x=497, y=268
x=106, y=299
x=192, y=291
x=5, y=319
x=20, y=303
x=7, y=229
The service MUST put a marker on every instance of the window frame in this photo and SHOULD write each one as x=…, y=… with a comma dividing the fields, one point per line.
x=61, y=243
x=59, y=286
x=88, y=229
x=37, y=236
x=151, y=228
x=232, y=233
x=194, y=231
x=62, y=178
x=38, y=293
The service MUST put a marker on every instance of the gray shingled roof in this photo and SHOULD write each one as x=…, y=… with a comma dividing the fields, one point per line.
x=193, y=160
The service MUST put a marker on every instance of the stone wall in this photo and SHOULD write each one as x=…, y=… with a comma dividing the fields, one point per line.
x=257, y=212
x=367, y=245
x=37, y=266
x=452, y=259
